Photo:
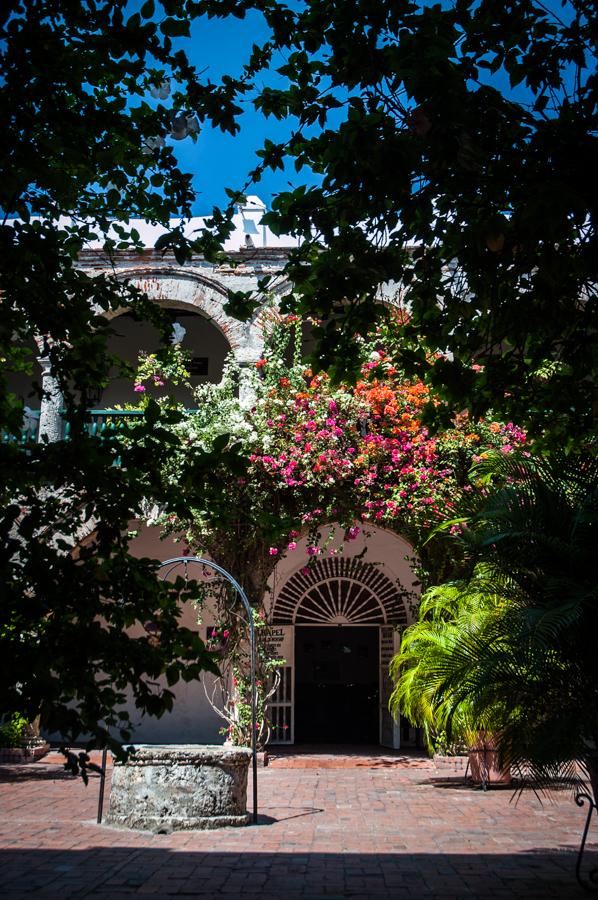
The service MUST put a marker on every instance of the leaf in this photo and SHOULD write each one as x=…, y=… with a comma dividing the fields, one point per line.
x=221, y=442
x=175, y=27
x=152, y=412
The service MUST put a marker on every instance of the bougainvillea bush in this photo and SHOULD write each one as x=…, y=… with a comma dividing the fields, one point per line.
x=313, y=453
x=307, y=453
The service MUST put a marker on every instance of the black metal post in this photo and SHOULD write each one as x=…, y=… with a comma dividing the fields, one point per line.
x=102, y=784
x=253, y=711
x=592, y=885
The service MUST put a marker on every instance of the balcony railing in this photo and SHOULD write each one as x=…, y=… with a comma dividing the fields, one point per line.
x=29, y=430
x=103, y=420
x=100, y=421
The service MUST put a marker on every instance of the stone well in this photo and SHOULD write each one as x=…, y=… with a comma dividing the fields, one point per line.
x=177, y=786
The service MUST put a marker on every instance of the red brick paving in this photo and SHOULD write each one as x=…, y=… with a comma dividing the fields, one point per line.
x=396, y=832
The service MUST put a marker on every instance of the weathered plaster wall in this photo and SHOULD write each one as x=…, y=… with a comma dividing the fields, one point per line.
x=192, y=719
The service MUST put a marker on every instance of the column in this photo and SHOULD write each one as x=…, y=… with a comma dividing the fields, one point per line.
x=247, y=355
x=50, y=416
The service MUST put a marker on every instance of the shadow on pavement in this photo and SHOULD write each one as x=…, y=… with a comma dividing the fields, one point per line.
x=111, y=872
x=35, y=772
x=294, y=813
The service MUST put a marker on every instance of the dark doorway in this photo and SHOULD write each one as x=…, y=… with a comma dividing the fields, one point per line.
x=336, y=685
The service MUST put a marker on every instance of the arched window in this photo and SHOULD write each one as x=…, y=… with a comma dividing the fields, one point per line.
x=340, y=591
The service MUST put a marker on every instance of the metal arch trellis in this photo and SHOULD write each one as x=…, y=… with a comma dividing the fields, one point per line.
x=185, y=561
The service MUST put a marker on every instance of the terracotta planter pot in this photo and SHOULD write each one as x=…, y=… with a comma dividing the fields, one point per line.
x=591, y=762
x=483, y=763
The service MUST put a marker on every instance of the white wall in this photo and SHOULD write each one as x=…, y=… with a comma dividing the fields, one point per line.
x=192, y=719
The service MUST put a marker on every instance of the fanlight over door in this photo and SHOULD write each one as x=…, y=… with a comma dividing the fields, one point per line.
x=339, y=591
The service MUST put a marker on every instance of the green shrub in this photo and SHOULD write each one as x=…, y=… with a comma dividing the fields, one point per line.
x=11, y=730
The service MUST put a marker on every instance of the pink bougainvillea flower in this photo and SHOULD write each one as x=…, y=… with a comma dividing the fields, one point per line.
x=139, y=389
x=304, y=570
x=292, y=545
x=225, y=633
x=352, y=532
x=313, y=551
x=273, y=551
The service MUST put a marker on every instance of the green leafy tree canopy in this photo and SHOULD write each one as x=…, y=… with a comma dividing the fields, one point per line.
x=89, y=95
x=454, y=145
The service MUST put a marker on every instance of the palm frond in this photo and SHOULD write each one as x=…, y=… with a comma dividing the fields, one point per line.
x=510, y=650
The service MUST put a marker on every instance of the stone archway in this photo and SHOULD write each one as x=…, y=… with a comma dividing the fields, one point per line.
x=190, y=288
x=205, y=345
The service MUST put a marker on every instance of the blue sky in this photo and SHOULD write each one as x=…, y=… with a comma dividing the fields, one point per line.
x=219, y=160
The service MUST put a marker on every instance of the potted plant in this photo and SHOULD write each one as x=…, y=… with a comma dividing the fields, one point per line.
x=508, y=649
x=433, y=675
x=20, y=740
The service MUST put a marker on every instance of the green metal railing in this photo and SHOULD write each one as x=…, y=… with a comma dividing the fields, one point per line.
x=29, y=430
x=103, y=420
x=100, y=421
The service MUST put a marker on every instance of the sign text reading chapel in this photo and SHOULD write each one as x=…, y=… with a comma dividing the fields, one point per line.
x=280, y=642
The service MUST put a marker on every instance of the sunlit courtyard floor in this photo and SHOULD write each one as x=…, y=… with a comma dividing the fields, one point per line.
x=367, y=830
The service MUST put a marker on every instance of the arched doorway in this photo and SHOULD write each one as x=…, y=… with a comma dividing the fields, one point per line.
x=201, y=339
x=340, y=621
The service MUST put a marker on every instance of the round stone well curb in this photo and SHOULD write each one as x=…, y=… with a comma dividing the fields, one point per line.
x=180, y=786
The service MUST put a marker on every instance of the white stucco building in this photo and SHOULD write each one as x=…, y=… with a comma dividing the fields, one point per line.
x=336, y=627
